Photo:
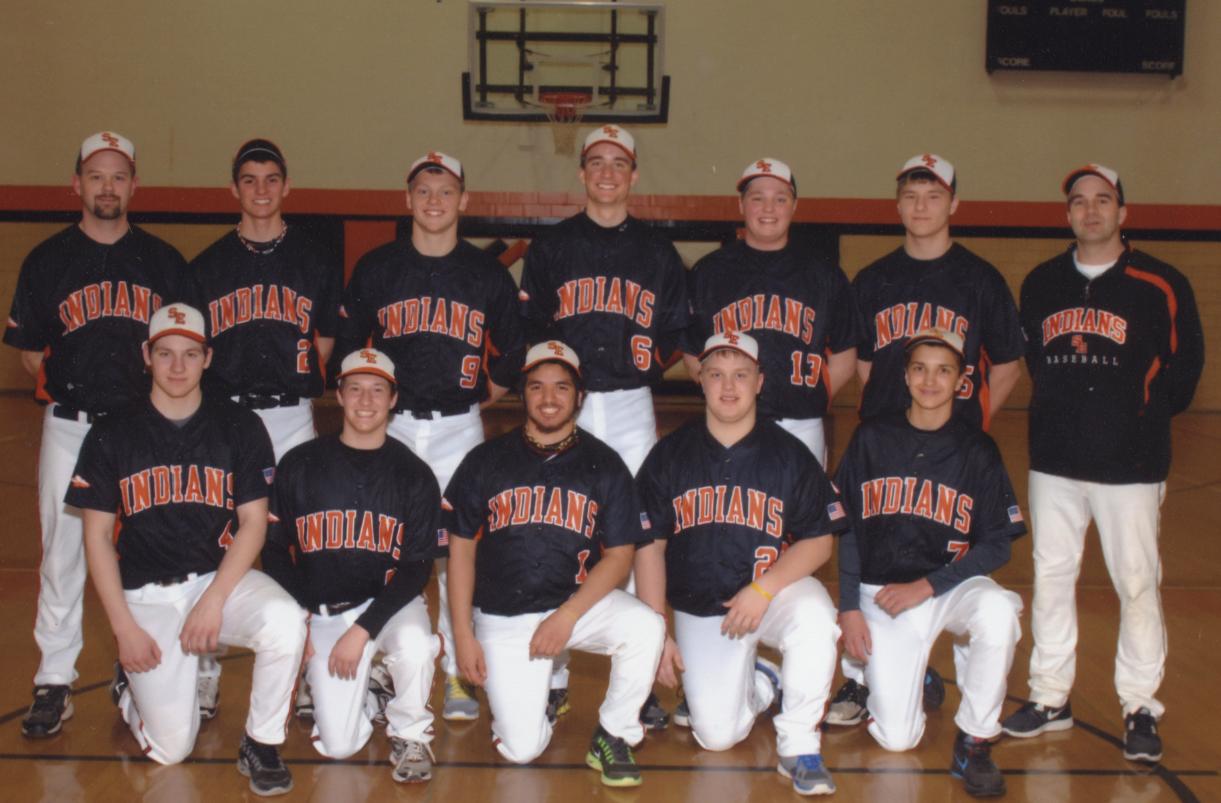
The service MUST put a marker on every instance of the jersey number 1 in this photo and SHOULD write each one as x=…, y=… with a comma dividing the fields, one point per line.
x=582, y=556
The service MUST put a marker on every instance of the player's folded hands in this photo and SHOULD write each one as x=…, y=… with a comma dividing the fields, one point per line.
x=201, y=631
x=138, y=652
x=745, y=612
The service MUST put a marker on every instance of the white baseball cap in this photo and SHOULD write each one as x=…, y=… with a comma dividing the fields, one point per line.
x=939, y=337
x=934, y=165
x=1105, y=173
x=767, y=166
x=613, y=134
x=551, y=351
x=177, y=319
x=734, y=341
x=437, y=160
x=107, y=141
x=368, y=361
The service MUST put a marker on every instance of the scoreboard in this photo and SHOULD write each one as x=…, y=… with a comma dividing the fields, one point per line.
x=1121, y=36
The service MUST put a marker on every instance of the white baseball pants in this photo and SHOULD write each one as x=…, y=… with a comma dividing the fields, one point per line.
x=724, y=692
x=1127, y=518
x=441, y=442
x=288, y=426
x=619, y=625
x=623, y=420
x=160, y=706
x=982, y=616
x=342, y=720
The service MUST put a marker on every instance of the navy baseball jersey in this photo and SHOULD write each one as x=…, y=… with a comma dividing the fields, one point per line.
x=728, y=512
x=87, y=305
x=542, y=520
x=799, y=308
x=921, y=500
x=264, y=310
x=354, y=524
x=1112, y=360
x=616, y=295
x=898, y=296
x=444, y=321
x=175, y=486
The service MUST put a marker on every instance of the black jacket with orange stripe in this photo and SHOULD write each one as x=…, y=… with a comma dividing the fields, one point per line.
x=1112, y=359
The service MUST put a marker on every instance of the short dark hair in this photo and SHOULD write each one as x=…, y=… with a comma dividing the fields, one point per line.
x=573, y=375
x=261, y=151
x=961, y=360
x=920, y=174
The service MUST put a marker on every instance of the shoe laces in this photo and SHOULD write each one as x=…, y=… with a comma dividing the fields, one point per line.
x=414, y=752
x=266, y=756
x=48, y=698
x=456, y=687
x=616, y=749
x=977, y=748
x=811, y=762
x=1142, y=721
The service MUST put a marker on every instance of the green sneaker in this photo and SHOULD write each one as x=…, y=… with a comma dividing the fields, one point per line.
x=613, y=758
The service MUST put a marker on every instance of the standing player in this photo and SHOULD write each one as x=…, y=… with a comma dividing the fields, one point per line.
x=360, y=513
x=616, y=290
x=446, y=314
x=80, y=312
x=745, y=513
x=189, y=477
x=272, y=301
x=798, y=308
x=1115, y=349
x=934, y=513
x=930, y=281
x=544, y=523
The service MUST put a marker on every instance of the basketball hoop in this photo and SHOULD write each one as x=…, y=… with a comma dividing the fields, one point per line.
x=564, y=112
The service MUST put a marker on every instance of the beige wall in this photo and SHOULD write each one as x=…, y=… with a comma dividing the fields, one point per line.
x=845, y=90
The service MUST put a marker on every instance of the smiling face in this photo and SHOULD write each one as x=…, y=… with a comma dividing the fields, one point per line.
x=925, y=207
x=176, y=363
x=105, y=184
x=731, y=382
x=933, y=374
x=767, y=205
x=435, y=199
x=260, y=189
x=552, y=399
x=366, y=400
x=608, y=174
x=1094, y=212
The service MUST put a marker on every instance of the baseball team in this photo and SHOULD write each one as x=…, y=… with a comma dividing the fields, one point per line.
x=179, y=450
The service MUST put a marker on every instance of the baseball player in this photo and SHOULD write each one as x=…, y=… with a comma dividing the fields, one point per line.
x=1115, y=349
x=798, y=308
x=615, y=289
x=272, y=302
x=743, y=513
x=361, y=514
x=80, y=312
x=543, y=523
x=934, y=513
x=446, y=314
x=929, y=282
x=189, y=476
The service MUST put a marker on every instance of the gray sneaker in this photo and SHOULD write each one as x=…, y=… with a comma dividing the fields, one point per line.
x=412, y=760
x=849, y=706
x=460, y=702
x=808, y=773
x=381, y=692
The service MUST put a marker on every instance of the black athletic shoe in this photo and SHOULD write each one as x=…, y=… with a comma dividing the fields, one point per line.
x=613, y=758
x=972, y=763
x=934, y=689
x=849, y=706
x=557, y=704
x=262, y=765
x=1140, y=739
x=652, y=715
x=52, y=705
x=682, y=712
x=118, y=684
x=1032, y=719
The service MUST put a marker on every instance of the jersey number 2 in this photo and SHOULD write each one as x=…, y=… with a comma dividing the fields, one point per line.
x=765, y=556
x=303, y=356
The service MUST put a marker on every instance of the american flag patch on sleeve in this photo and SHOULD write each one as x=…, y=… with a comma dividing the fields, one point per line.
x=442, y=537
x=1015, y=514
x=835, y=510
x=269, y=474
x=645, y=524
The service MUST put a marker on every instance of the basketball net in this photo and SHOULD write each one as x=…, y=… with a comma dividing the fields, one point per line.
x=564, y=112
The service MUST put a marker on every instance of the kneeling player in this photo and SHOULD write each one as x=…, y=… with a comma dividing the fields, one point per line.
x=189, y=478
x=362, y=514
x=746, y=513
x=557, y=521
x=933, y=514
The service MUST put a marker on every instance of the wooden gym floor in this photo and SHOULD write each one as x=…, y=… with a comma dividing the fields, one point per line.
x=95, y=758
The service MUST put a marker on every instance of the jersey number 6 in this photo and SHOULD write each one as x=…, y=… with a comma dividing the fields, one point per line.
x=642, y=352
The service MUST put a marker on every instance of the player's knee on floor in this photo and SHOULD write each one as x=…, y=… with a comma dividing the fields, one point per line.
x=522, y=746
x=897, y=737
x=170, y=746
x=340, y=739
x=717, y=738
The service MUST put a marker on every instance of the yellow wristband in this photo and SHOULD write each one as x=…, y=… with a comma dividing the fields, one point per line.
x=762, y=591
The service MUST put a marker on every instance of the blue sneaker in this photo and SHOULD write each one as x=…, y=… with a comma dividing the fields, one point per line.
x=809, y=774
